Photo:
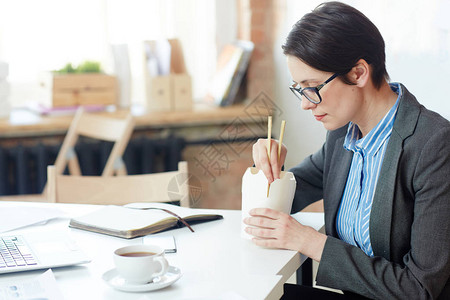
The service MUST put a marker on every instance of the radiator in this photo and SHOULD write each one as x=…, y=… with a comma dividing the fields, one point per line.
x=23, y=169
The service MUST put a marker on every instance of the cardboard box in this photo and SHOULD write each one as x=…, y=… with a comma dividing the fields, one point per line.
x=158, y=93
x=181, y=86
x=78, y=89
x=171, y=92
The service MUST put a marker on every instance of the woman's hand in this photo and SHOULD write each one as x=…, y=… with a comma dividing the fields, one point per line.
x=270, y=168
x=274, y=229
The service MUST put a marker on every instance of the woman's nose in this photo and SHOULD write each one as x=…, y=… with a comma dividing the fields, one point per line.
x=306, y=104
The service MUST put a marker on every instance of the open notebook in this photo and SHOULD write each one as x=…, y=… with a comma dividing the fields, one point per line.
x=141, y=219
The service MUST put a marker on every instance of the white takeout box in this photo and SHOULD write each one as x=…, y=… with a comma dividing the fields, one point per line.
x=254, y=193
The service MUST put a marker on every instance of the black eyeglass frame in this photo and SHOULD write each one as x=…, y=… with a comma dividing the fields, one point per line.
x=299, y=92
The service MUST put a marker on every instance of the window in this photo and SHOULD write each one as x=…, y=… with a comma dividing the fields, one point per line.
x=43, y=35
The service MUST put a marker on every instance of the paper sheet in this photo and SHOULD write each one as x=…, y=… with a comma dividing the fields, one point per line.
x=163, y=52
x=158, y=56
x=15, y=217
x=310, y=219
x=41, y=287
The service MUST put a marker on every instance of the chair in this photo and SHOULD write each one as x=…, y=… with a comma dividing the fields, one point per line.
x=97, y=127
x=157, y=187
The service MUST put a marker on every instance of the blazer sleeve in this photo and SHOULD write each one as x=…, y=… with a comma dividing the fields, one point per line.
x=425, y=269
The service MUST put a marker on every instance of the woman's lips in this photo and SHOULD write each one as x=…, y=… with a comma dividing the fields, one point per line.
x=319, y=117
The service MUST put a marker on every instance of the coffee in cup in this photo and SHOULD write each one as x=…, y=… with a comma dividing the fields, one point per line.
x=138, y=254
x=140, y=264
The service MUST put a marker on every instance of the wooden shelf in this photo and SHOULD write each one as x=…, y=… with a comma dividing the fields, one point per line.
x=23, y=123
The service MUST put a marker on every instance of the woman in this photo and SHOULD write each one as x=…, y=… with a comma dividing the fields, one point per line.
x=382, y=172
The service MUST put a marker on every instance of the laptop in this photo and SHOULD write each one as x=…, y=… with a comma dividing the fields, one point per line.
x=25, y=252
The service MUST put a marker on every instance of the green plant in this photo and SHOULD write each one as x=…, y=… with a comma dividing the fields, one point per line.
x=85, y=67
x=68, y=68
x=89, y=67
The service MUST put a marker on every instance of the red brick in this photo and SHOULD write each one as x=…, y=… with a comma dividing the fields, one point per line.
x=258, y=19
x=258, y=54
x=261, y=4
x=257, y=36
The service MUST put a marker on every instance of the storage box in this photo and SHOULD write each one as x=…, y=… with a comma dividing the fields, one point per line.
x=171, y=92
x=78, y=89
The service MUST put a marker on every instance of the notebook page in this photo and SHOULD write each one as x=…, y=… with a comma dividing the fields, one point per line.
x=120, y=218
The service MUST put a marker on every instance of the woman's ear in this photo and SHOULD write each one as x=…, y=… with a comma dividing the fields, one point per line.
x=360, y=73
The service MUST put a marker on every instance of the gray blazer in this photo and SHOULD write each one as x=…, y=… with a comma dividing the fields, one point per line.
x=410, y=218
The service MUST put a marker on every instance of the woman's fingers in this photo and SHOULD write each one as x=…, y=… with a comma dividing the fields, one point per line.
x=259, y=222
x=275, y=229
x=261, y=159
x=266, y=212
x=271, y=168
x=277, y=163
x=262, y=222
x=274, y=160
x=261, y=233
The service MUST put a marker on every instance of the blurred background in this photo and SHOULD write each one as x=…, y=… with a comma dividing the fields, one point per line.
x=43, y=35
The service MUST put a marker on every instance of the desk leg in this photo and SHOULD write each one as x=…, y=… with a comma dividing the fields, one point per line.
x=305, y=273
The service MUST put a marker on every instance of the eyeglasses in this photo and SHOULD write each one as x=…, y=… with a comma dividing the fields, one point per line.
x=311, y=93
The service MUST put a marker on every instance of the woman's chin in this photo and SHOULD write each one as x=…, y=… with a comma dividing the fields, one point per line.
x=329, y=126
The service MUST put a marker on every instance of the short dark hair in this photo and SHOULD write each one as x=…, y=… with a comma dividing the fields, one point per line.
x=333, y=37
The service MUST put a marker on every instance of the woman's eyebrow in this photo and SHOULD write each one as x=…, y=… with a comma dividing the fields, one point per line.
x=305, y=81
x=309, y=80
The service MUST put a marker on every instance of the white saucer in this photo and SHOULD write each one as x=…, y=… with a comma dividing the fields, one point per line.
x=116, y=281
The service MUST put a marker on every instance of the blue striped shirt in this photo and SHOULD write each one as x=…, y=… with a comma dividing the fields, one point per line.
x=353, y=216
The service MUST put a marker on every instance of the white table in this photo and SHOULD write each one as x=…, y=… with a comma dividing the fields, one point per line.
x=215, y=261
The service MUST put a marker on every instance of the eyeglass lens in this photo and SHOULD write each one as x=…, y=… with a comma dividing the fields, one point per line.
x=312, y=95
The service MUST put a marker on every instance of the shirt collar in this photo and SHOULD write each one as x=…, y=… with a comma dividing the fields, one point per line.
x=372, y=142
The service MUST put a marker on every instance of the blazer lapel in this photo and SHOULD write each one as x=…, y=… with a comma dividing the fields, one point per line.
x=381, y=215
x=337, y=177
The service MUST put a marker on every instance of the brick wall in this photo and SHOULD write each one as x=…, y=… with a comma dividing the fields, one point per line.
x=216, y=184
x=258, y=21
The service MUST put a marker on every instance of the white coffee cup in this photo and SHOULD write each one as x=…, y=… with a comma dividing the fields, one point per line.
x=254, y=193
x=140, y=264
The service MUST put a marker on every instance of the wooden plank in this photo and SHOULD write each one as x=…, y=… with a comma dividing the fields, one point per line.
x=201, y=114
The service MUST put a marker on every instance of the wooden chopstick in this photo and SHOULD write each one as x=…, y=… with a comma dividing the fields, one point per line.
x=280, y=142
x=269, y=140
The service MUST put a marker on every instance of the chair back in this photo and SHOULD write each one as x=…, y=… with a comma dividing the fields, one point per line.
x=97, y=127
x=119, y=190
